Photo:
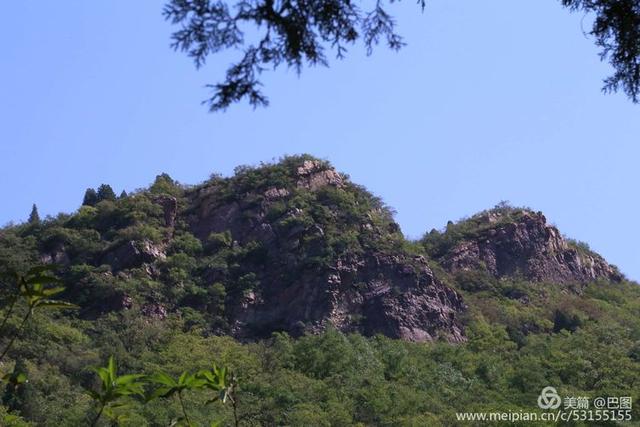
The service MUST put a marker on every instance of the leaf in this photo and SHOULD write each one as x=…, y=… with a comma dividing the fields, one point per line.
x=53, y=291
x=192, y=382
x=162, y=378
x=54, y=304
x=127, y=379
x=40, y=280
x=183, y=377
x=103, y=373
x=162, y=392
x=207, y=375
x=111, y=368
x=20, y=378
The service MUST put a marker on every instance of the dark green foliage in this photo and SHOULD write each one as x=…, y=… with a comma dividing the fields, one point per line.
x=105, y=192
x=299, y=33
x=17, y=395
x=616, y=29
x=186, y=243
x=563, y=320
x=341, y=379
x=18, y=250
x=295, y=34
x=34, y=216
x=90, y=197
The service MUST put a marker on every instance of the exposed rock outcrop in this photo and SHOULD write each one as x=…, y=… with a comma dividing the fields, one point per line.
x=384, y=294
x=170, y=207
x=133, y=254
x=58, y=255
x=524, y=245
x=314, y=174
x=375, y=291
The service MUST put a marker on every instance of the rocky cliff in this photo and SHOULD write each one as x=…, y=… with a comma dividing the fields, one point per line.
x=518, y=243
x=330, y=254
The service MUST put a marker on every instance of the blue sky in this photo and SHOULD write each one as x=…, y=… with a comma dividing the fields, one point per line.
x=492, y=100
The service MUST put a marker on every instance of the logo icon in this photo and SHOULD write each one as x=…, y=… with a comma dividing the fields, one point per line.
x=600, y=402
x=549, y=398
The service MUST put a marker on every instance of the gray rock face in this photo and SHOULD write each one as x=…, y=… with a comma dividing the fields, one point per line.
x=133, y=254
x=58, y=255
x=384, y=294
x=313, y=175
x=528, y=248
x=387, y=292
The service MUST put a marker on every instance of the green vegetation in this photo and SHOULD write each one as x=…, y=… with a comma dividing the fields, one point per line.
x=165, y=319
x=437, y=243
x=34, y=216
x=333, y=379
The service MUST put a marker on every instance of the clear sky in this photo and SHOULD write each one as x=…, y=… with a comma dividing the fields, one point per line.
x=491, y=100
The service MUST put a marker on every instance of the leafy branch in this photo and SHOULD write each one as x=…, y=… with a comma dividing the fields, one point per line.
x=114, y=387
x=34, y=289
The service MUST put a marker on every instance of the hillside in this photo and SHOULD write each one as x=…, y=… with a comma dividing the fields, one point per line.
x=302, y=282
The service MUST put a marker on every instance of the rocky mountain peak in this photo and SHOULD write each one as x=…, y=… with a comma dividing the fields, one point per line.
x=313, y=174
x=514, y=242
x=294, y=246
x=330, y=255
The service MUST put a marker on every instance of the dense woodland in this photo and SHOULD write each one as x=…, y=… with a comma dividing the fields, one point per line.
x=162, y=317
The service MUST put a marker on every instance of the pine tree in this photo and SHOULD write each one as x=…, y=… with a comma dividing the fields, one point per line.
x=296, y=34
x=105, y=192
x=90, y=197
x=34, y=216
x=123, y=195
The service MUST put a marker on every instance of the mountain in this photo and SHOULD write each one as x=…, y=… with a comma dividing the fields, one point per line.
x=514, y=242
x=293, y=247
x=301, y=280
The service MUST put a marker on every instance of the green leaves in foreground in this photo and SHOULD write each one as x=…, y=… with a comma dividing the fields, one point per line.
x=114, y=390
x=216, y=379
x=169, y=387
x=219, y=380
x=35, y=289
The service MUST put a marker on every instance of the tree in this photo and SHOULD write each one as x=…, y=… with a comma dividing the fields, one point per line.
x=105, y=192
x=90, y=197
x=18, y=395
x=616, y=29
x=123, y=195
x=164, y=184
x=34, y=216
x=293, y=33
